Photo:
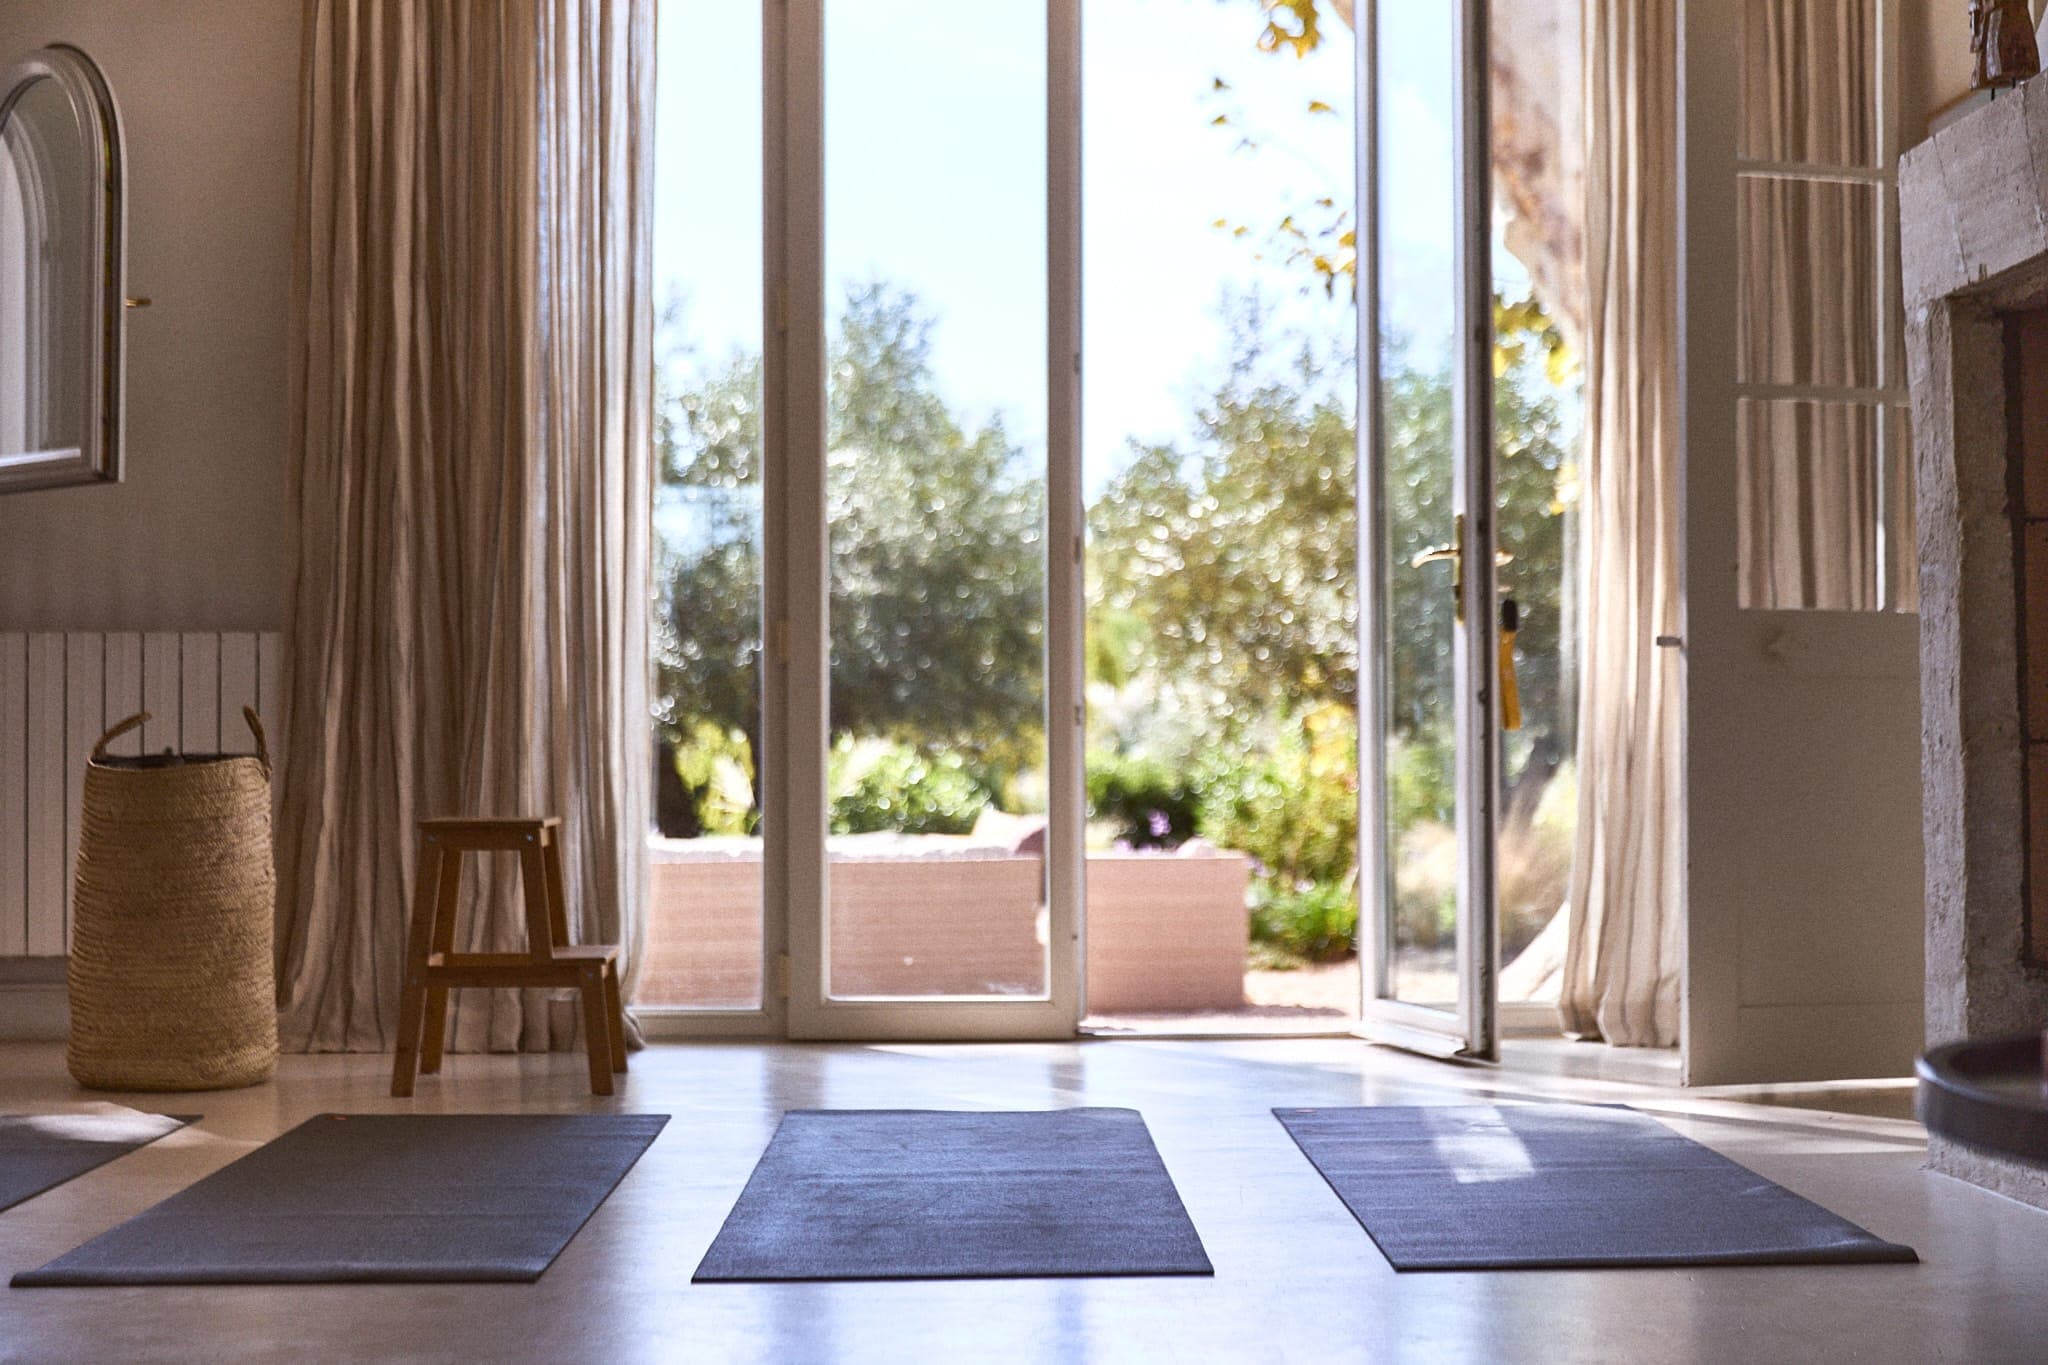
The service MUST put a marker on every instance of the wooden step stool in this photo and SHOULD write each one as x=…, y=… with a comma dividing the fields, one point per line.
x=433, y=968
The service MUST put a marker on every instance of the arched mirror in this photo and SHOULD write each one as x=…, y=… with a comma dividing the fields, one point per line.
x=61, y=246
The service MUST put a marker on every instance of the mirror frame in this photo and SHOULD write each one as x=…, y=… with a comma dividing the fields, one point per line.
x=99, y=458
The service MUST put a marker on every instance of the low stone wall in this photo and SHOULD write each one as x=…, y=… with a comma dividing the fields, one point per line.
x=1165, y=932
x=703, y=934
x=937, y=926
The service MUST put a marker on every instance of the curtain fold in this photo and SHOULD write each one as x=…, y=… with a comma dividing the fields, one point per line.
x=470, y=487
x=1623, y=950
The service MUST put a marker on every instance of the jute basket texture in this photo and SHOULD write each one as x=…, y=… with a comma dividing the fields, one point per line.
x=172, y=986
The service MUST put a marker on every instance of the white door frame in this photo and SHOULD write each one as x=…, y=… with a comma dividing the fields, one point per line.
x=1471, y=1030
x=799, y=571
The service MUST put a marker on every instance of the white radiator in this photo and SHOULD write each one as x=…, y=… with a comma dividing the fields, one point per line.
x=59, y=692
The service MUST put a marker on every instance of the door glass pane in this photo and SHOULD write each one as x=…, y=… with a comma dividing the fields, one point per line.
x=1219, y=462
x=1539, y=276
x=1417, y=161
x=935, y=268
x=1810, y=282
x=1810, y=87
x=1807, y=489
x=704, y=939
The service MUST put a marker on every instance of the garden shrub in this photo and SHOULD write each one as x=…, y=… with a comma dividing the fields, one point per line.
x=877, y=786
x=709, y=783
x=1293, y=809
x=1319, y=924
x=1147, y=802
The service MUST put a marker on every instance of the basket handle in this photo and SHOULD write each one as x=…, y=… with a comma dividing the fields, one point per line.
x=99, y=750
x=262, y=745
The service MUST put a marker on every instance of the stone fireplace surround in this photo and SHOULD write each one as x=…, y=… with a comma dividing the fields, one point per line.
x=1973, y=240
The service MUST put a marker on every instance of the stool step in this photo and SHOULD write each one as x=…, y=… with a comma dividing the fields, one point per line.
x=576, y=955
x=512, y=969
x=491, y=832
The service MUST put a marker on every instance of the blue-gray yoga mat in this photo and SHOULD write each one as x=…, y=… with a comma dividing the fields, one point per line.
x=901, y=1194
x=41, y=1151
x=1552, y=1186
x=391, y=1198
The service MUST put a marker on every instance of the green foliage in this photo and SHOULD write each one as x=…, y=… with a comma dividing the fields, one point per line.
x=1421, y=780
x=1225, y=607
x=1293, y=808
x=876, y=786
x=937, y=554
x=1118, y=647
x=1149, y=802
x=717, y=770
x=707, y=629
x=1318, y=923
x=1239, y=553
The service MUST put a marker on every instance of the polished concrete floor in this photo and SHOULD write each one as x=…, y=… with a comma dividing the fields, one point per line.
x=1296, y=1278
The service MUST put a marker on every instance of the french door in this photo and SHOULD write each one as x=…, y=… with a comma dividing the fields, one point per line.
x=890, y=145
x=879, y=513
x=1429, y=609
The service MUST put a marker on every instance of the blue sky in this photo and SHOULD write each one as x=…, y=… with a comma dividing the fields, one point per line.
x=935, y=174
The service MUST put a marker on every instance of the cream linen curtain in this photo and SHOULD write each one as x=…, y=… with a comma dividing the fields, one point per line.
x=470, y=484
x=1622, y=954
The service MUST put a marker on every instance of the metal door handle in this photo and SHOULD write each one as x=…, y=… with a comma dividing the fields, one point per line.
x=1455, y=553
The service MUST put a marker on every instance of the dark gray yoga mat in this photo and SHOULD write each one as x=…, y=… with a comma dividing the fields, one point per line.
x=41, y=1151
x=1543, y=1186
x=903, y=1194
x=392, y=1198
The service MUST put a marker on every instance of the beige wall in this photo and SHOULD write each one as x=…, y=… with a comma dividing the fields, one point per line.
x=194, y=537
x=1934, y=58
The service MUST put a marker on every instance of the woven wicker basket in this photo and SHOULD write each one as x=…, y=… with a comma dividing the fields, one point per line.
x=172, y=986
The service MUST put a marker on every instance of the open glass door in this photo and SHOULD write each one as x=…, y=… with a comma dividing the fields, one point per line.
x=1428, y=609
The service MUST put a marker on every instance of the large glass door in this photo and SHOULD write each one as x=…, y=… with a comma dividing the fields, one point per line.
x=875, y=677
x=933, y=714
x=1429, y=611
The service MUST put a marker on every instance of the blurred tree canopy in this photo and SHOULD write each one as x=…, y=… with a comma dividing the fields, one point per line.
x=937, y=620
x=1238, y=548
x=1224, y=565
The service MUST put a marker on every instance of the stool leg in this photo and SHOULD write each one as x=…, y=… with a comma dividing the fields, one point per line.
x=412, y=998
x=597, y=1031
x=447, y=897
x=411, y=1005
x=435, y=1034
x=558, y=907
x=616, y=1015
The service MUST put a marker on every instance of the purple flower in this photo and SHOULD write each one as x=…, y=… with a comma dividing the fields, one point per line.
x=1157, y=822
